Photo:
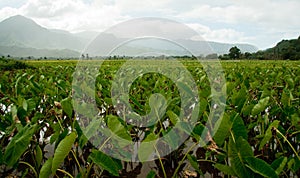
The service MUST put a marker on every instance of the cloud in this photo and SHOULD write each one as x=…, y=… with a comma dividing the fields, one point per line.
x=72, y=15
x=220, y=35
x=7, y=12
x=53, y=8
x=268, y=13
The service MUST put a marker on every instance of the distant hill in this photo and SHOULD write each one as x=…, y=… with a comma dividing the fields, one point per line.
x=24, y=32
x=24, y=52
x=103, y=44
x=285, y=49
x=21, y=37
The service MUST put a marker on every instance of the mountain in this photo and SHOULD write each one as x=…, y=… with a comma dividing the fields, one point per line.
x=21, y=36
x=24, y=52
x=87, y=35
x=105, y=42
x=24, y=32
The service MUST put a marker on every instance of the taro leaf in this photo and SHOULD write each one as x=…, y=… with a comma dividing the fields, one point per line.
x=147, y=147
x=21, y=113
x=39, y=155
x=278, y=164
x=199, y=130
x=247, y=109
x=223, y=130
x=285, y=98
x=173, y=117
x=151, y=174
x=238, y=127
x=268, y=134
x=92, y=128
x=62, y=151
x=225, y=169
x=260, y=106
x=239, y=98
x=260, y=167
x=193, y=161
x=295, y=119
x=56, y=133
x=296, y=166
x=171, y=138
x=17, y=88
x=18, y=144
x=31, y=105
x=184, y=87
x=46, y=169
x=290, y=83
x=61, y=136
x=105, y=162
x=202, y=106
x=117, y=128
x=25, y=105
x=290, y=163
x=82, y=138
x=237, y=152
x=244, y=148
x=67, y=106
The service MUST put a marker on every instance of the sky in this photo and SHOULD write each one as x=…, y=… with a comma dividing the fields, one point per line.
x=262, y=23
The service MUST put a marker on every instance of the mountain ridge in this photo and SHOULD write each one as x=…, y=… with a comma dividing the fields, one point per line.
x=24, y=33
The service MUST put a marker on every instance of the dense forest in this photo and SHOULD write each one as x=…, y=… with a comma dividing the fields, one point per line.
x=284, y=50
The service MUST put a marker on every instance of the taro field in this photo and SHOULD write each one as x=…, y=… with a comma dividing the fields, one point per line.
x=258, y=133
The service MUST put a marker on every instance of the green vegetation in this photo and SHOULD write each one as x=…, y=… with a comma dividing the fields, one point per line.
x=258, y=136
x=10, y=64
x=284, y=50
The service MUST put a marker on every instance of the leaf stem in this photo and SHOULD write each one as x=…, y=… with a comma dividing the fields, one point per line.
x=182, y=160
x=74, y=155
x=288, y=142
x=104, y=143
x=161, y=164
x=31, y=167
x=59, y=123
x=65, y=172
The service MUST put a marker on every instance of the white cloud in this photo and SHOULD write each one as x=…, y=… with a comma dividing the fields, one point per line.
x=144, y=7
x=228, y=14
x=220, y=35
x=267, y=13
x=72, y=15
x=7, y=12
x=48, y=9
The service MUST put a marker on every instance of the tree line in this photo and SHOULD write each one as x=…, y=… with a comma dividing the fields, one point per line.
x=284, y=50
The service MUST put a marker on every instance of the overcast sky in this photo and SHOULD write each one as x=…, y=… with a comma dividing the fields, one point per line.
x=259, y=22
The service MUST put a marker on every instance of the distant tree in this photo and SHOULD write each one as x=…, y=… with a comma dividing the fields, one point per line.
x=224, y=57
x=260, y=55
x=234, y=53
x=247, y=55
